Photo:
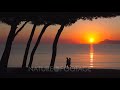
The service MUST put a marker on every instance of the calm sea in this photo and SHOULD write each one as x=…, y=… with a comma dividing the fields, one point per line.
x=91, y=56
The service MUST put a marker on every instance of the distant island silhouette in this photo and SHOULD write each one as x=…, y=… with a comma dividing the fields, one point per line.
x=107, y=41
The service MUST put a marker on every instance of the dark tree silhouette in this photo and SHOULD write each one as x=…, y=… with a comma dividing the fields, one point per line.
x=28, y=46
x=36, y=45
x=54, y=47
x=63, y=21
x=36, y=20
x=13, y=22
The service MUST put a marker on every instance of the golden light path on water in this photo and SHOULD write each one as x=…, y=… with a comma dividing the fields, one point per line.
x=91, y=55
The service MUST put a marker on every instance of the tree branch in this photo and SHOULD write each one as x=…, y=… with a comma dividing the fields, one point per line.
x=21, y=28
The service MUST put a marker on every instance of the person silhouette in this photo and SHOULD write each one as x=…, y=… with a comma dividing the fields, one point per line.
x=68, y=62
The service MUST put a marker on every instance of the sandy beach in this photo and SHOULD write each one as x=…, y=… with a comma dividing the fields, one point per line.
x=85, y=73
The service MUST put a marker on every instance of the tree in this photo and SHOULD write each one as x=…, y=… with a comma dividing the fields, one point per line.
x=13, y=22
x=63, y=21
x=28, y=46
x=36, y=20
x=36, y=45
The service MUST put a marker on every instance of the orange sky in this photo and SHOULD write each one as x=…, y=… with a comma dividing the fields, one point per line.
x=78, y=33
x=99, y=29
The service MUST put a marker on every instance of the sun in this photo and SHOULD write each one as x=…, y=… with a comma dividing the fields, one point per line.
x=91, y=40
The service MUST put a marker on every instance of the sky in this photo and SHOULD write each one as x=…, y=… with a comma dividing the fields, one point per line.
x=79, y=33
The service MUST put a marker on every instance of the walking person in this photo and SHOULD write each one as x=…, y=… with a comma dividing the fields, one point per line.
x=68, y=62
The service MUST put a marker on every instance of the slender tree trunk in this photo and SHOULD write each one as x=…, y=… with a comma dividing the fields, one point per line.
x=6, y=53
x=10, y=39
x=36, y=45
x=28, y=46
x=54, y=48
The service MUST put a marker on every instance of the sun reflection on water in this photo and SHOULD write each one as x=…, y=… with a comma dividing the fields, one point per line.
x=91, y=55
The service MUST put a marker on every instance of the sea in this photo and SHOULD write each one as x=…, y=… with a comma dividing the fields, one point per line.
x=103, y=56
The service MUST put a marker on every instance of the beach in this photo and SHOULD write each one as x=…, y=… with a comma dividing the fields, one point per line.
x=85, y=73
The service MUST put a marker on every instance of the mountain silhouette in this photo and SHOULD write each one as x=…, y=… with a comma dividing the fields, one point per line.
x=107, y=41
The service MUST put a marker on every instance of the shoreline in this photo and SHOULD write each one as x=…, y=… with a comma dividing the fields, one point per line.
x=91, y=73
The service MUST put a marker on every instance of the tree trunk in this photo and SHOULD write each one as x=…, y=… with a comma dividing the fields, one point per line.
x=36, y=45
x=6, y=53
x=54, y=48
x=28, y=46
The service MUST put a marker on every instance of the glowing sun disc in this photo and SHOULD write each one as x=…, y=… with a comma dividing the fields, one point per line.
x=91, y=40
